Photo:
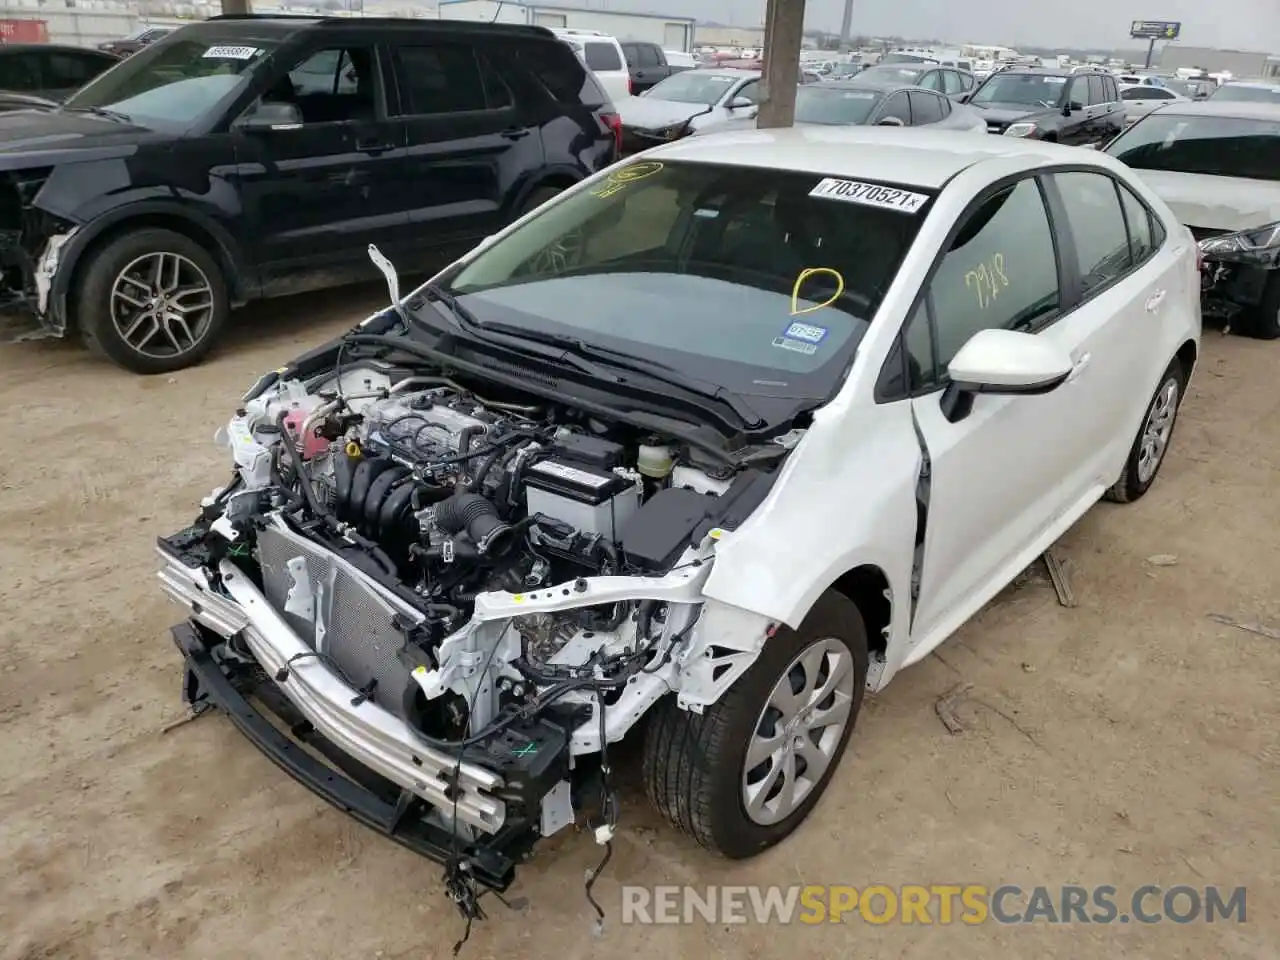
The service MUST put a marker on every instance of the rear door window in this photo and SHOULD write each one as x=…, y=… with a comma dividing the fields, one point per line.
x=1097, y=92
x=649, y=55
x=925, y=108
x=1097, y=226
x=63, y=71
x=446, y=78
x=897, y=106
x=20, y=72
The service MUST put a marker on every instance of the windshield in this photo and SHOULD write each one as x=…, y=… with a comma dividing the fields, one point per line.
x=1247, y=94
x=1030, y=89
x=173, y=83
x=818, y=105
x=1218, y=146
x=691, y=86
x=759, y=280
x=845, y=69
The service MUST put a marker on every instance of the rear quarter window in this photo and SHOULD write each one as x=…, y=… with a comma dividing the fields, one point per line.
x=601, y=56
x=555, y=67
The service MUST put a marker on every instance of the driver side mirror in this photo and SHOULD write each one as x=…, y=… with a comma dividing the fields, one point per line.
x=1072, y=105
x=1004, y=363
x=890, y=122
x=741, y=103
x=269, y=116
x=964, y=97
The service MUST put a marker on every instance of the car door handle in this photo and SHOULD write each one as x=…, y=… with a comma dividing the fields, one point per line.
x=374, y=146
x=1078, y=367
x=515, y=133
x=1155, y=300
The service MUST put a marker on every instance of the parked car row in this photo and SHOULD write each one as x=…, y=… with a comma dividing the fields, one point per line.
x=364, y=106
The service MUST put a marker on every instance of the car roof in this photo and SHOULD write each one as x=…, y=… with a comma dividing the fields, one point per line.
x=56, y=47
x=733, y=73
x=1231, y=109
x=279, y=26
x=867, y=86
x=923, y=158
x=1041, y=72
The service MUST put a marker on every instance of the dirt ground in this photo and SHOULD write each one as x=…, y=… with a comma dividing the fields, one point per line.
x=1129, y=740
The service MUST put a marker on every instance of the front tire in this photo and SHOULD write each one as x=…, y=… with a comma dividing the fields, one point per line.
x=744, y=774
x=151, y=300
x=1151, y=445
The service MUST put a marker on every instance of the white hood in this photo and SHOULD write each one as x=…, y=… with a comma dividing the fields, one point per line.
x=648, y=113
x=1216, y=203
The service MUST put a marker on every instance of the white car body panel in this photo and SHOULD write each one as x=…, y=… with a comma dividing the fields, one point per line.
x=1216, y=203
x=1115, y=331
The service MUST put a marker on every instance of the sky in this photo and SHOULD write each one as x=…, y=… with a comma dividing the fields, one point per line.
x=1241, y=24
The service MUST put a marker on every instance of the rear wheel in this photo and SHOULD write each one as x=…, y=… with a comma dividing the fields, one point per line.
x=152, y=300
x=746, y=772
x=1147, y=454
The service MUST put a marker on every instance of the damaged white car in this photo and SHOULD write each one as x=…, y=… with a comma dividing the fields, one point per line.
x=699, y=451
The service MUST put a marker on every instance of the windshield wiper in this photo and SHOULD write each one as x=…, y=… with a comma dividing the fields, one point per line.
x=102, y=112
x=618, y=360
x=575, y=351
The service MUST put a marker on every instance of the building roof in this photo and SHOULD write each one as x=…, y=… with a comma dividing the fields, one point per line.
x=924, y=158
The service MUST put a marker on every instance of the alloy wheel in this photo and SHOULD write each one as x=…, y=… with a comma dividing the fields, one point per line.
x=798, y=732
x=162, y=305
x=1157, y=430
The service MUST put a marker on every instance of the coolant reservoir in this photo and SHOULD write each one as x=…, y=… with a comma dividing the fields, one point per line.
x=655, y=462
x=252, y=458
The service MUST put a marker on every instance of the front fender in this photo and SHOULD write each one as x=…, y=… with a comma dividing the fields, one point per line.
x=242, y=281
x=846, y=497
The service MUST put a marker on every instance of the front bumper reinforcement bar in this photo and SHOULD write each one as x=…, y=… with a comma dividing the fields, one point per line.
x=371, y=799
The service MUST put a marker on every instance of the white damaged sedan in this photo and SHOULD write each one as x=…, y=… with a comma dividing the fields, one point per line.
x=699, y=451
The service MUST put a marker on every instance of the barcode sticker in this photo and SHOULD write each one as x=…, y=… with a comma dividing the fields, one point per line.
x=231, y=53
x=869, y=195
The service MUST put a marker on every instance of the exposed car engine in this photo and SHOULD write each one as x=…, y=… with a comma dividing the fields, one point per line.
x=471, y=566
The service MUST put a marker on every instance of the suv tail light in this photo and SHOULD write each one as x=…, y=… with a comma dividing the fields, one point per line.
x=614, y=122
x=631, y=85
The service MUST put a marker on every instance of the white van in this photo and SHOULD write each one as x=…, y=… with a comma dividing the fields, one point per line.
x=603, y=56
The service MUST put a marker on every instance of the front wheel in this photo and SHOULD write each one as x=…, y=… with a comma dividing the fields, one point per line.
x=152, y=300
x=1147, y=454
x=741, y=776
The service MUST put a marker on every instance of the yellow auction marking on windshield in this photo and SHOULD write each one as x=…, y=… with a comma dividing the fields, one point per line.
x=806, y=274
x=627, y=175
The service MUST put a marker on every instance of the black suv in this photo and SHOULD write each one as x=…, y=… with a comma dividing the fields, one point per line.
x=1082, y=108
x=247, y=157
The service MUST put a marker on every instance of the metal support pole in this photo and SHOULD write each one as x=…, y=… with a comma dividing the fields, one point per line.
x=783, y=34
x=1151, y=49
x=846, y=26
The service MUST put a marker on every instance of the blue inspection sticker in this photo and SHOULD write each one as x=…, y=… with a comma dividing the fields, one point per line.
x=801, y=338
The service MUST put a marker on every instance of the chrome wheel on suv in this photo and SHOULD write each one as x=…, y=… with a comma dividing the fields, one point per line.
x=152, y=300
x=162, y=305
